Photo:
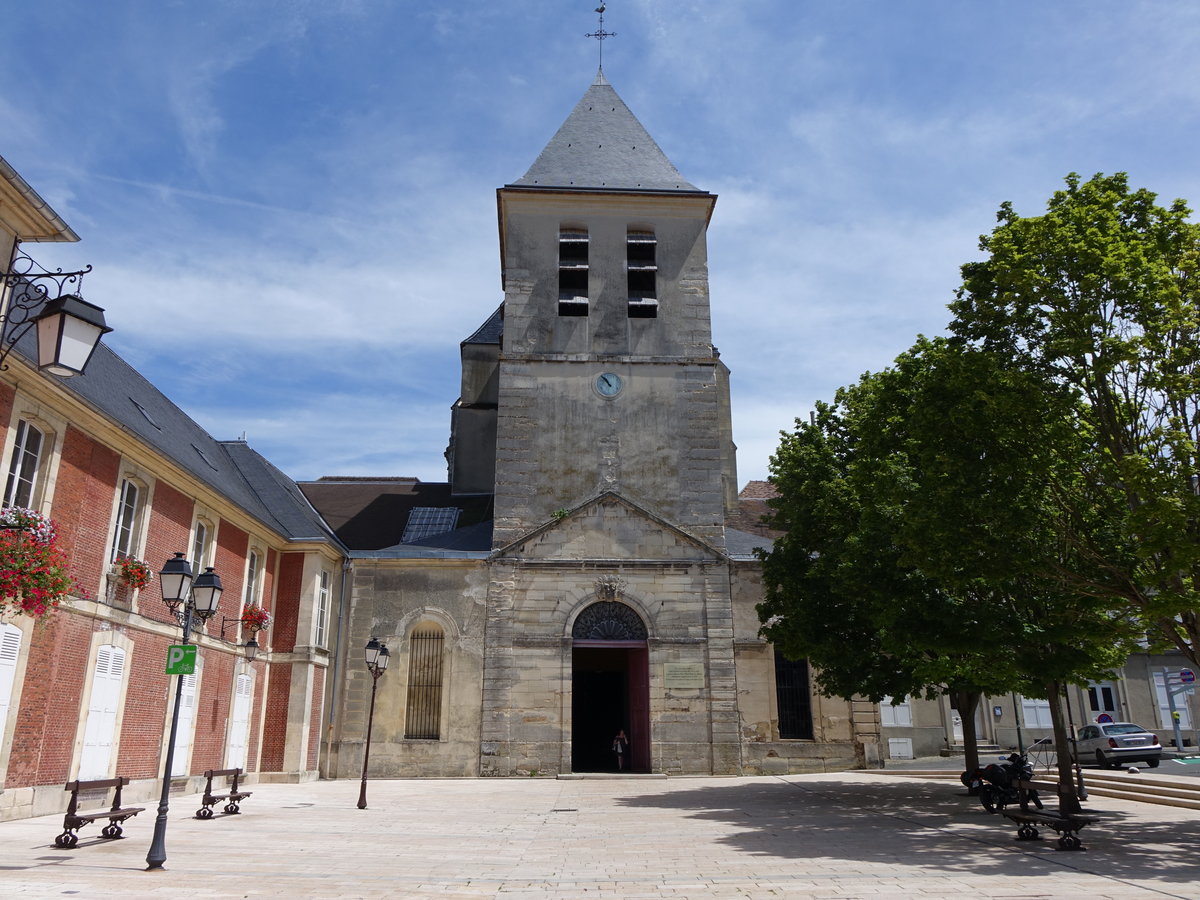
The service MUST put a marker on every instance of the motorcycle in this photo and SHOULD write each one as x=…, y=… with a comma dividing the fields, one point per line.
x=999, y=787
x=972, y=780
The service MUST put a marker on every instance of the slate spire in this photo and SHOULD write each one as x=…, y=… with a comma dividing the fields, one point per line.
x=602, y=146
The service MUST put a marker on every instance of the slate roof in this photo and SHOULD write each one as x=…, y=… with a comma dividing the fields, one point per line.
x=119, y=392
x=602, y=146
x=369, y=514
x=741, y=544
x=490, y=331
x=470, y=542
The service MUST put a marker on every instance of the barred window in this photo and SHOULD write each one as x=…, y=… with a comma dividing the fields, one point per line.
x=792, y=697
x=422, y=717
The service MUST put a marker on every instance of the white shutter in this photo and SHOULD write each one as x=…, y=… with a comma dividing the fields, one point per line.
x=1036, y=713
x=187, y=722
x=100, y=730
x=898, y=716
x=239, y=725
x=1164, y=709
x=10, y=649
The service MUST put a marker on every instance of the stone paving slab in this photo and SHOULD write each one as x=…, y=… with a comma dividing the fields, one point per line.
x=843, y=836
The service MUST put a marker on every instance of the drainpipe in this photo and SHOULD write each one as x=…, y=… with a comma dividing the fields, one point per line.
x=338, y=655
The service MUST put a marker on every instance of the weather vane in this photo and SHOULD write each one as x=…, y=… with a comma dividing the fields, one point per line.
x=600, y=34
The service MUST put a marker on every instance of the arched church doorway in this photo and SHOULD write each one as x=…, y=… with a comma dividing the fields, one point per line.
x=610, y=688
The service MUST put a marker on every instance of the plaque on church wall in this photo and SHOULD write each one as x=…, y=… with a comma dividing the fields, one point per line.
x=683, y=675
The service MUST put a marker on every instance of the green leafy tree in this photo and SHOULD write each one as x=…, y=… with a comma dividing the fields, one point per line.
x=920, y=513
x=840, y=590
x=994, y=451
x=1098, y=296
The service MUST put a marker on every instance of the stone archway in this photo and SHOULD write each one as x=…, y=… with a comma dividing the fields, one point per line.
x=609, y=687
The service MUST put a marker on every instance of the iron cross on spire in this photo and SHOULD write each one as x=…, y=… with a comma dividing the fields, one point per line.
x=600, y=34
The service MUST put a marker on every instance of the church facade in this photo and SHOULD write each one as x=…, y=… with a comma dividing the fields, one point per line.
x=587, y=569
x=580, y=575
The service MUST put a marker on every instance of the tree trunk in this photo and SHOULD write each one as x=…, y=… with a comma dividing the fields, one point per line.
x=1068, y=797
x=967, y=702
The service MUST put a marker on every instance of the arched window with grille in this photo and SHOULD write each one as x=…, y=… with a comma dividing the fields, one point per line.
x=793, y=699
x=423, y=712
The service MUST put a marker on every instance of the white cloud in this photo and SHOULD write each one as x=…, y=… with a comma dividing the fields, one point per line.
x=308, y=188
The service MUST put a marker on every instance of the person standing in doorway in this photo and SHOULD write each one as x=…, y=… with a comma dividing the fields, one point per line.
x=620, y=748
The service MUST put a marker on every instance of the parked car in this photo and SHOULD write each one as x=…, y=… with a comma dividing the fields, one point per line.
x=1117, y=743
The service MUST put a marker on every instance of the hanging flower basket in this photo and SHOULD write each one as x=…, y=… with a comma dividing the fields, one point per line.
x=133, y=572
x=34, y=574
x=255, y=618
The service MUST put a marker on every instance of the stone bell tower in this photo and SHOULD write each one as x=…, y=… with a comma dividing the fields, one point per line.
x=608, y=379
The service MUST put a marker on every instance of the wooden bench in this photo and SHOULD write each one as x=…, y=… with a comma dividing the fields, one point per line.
x=116, y=814
x=1028, y=821
x=232, y=798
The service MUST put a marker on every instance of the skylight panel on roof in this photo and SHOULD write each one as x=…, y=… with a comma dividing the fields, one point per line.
x=145, y=413
x=207, y=461
x=426, y=521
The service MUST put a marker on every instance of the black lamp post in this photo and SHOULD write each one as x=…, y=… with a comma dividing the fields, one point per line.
x=188, y=598
x=377, y=657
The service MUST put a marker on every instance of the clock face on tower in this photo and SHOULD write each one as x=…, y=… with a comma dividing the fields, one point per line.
x=608, y=384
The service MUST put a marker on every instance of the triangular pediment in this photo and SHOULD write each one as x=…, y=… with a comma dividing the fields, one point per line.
x=610, y=527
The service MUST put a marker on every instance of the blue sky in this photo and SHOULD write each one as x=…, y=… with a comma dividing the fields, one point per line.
x=290, y=206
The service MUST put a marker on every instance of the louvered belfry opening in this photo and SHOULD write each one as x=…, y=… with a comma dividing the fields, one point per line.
x=423, y=714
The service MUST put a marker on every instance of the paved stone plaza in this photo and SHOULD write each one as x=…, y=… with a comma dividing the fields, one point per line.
x=833, y=836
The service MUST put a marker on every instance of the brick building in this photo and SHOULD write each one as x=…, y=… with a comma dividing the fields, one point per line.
x=124, y=473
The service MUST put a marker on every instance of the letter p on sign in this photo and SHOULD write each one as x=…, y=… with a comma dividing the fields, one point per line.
x=181, y=659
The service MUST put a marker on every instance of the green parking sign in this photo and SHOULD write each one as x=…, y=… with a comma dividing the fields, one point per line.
x=181, y=659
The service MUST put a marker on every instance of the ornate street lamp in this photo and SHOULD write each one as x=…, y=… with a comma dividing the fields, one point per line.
x=188, y=598
x=68, y=327
x=377, y=657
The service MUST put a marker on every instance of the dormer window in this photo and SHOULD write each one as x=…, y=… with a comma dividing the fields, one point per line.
x=641, y=263
x=572, y=272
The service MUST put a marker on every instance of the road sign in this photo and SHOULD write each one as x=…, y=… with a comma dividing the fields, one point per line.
x=1187, y=676
x=181, y=659
x=1104, y=719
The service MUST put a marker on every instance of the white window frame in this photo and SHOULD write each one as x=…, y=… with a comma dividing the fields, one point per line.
x=1095, y=699
x=126, y=535
x=17, y=462
x=253, y=578
x=324, y=581
x=202, y=541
